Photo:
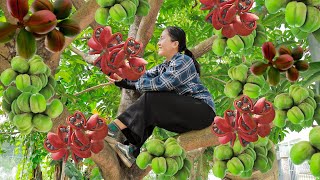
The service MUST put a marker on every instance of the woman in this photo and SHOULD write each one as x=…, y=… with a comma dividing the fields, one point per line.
x=173, y=98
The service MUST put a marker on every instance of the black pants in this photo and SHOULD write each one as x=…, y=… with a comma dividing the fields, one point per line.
x=166, y=110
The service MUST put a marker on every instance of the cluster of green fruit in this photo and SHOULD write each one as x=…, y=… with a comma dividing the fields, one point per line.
x=308, y=150
x=168, y=159
x=30, y=86
x=121, y=10
x=303, y=17
x=297, y=106
x=237, y=42
x=242, y=83
x=242, y=161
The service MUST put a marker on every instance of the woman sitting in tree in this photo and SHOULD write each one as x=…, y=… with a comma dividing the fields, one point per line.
x=173, y=99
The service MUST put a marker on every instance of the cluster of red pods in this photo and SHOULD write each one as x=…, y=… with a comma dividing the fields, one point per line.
x=79, y=138
x=117, y=56
x=247, y=121
x=231, y=16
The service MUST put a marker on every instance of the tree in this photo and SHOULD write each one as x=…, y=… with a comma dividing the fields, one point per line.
x=144, y=29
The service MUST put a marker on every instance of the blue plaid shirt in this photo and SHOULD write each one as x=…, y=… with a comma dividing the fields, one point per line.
x=177, y=75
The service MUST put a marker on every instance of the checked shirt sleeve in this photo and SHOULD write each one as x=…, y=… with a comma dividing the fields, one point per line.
x=153, y=72
x=178, y=72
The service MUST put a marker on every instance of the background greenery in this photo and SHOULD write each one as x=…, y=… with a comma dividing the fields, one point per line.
x=74, y=75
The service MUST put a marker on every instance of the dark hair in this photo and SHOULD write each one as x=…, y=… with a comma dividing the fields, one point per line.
x=177, y=34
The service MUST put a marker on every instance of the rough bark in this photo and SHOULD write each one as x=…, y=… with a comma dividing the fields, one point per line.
x=37, y=174
x=147, y=24
x=3, y=3
x=107, y=160
x=6, y=54
x=78, y=4
x=142, y=30
x=7, y=50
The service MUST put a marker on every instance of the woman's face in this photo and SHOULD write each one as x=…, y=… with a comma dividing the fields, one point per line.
x=167, y=48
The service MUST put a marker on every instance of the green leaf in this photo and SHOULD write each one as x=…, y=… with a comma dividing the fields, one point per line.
x=270, y=20
x=95, y=174
x=315, y=77
x=81, y=62
x=64, y=75
x=313, y=68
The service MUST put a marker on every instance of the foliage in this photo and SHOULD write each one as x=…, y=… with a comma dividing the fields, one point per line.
x=75, y=75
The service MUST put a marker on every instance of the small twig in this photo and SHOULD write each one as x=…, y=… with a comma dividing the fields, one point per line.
x=243, y=59
x=85, y=57
x=222, y=81
x=63, y=174
x=77, y=51
x=195, y=4
x=93, y=88
x=9, y=132
x=85, y=38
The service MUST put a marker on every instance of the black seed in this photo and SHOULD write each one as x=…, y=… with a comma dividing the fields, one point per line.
x=245, y=109
x=78, y=116
x=140, y=69
x=63, y=129
x=73, y=120
x=137, y=46
x=118, y=38
x=239, y=103
x=130, y=43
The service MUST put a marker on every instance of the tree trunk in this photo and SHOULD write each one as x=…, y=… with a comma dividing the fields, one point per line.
x=37, y=174
x=142, y=29
x=314, y=47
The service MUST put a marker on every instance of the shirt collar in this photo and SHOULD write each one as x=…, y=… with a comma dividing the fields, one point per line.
x=173, y=58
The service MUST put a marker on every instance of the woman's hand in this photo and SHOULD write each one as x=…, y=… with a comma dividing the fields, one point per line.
x=118, y=78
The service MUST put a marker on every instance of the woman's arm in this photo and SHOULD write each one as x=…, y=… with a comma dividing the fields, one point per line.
x=180, y=71
x=125, y=84
x=153, y=72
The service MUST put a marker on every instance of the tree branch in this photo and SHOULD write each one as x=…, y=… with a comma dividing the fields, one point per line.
x=215, y=79
x=4, y=61
x=93, y=88
x=78, y=4
x=9, y=18
x=77, y=51
x=9, y=133
x=147, y=24
x=203, y=47
x=134, y=27
x=87, y=58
